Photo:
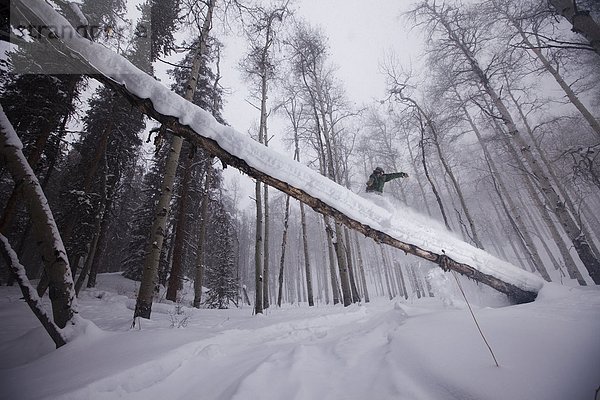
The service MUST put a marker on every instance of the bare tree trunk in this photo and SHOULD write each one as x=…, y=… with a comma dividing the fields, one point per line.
x=200, y=248
x=433, y=186
x=338, y=244
x=324, y=276
x=527, y=264
x=557, y=182
x=258, y=252
x=266, y=279
x=97, y=255
x=100, y=228
x=348, y=248
x=561, y=82
x=511, y=210
x=418, y=177
x=89, y=259
x=309, y=284
x=556, y=237
x=56, y=262
x=531, y=216
x=385, y=269
x=474, y=236
x=102, y=236
x=143, y=306
x=361, y=268
x=335, y=289
x=553, y=200
x=176, y=273
x=92, y=263
x=416, y=284
x=283, y=244
x=402, y=282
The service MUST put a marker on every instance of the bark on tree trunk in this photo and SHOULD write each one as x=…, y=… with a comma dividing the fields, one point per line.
x=143, y=305
x=361, y=268
x=338, y=245
x=308, y=272
x=335, y=289
x=433, y=187
x=266, y=274
x=258, y=249
x=102, y=237
x=176, y=273
x=385, y=269
x=418, y=178
x=199, y=266
x=283, y=245
x=402, y=281
x=351, y=274
x=62, y=293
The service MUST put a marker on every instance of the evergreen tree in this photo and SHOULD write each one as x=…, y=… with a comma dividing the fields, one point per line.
x=139, y=223
x=221, y=279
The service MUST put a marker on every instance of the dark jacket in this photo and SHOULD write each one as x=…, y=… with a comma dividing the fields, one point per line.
x=377, y=180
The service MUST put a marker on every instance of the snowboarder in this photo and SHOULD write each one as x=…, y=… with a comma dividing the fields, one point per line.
x=378, y=178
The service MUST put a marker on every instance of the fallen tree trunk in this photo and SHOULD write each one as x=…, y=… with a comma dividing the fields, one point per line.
x=117, y=70
x=515, y=293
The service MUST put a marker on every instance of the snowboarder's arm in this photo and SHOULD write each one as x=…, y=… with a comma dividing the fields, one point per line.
x=394, y=175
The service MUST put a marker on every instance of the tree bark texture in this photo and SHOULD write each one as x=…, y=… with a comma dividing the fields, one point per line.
x=199, y=275
x=143, y=305
x=283, y=246
x=54, y=256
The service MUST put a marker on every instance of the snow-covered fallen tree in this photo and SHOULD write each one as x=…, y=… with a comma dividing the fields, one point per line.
x=417, y=237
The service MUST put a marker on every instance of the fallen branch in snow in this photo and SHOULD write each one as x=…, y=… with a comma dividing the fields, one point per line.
x=29, y=293
x=167, y=108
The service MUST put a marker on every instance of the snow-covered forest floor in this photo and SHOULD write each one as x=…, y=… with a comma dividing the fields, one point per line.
x=401, y=349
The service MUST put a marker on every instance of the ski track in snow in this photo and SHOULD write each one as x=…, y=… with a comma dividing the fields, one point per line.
x=415, y=350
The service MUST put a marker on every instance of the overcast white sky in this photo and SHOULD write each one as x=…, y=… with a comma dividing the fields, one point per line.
x=359, y=32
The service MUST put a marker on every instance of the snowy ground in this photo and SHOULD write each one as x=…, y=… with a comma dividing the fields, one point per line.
x=416, y=349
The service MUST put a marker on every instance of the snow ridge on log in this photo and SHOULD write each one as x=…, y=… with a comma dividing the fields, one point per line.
x=279, y=171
